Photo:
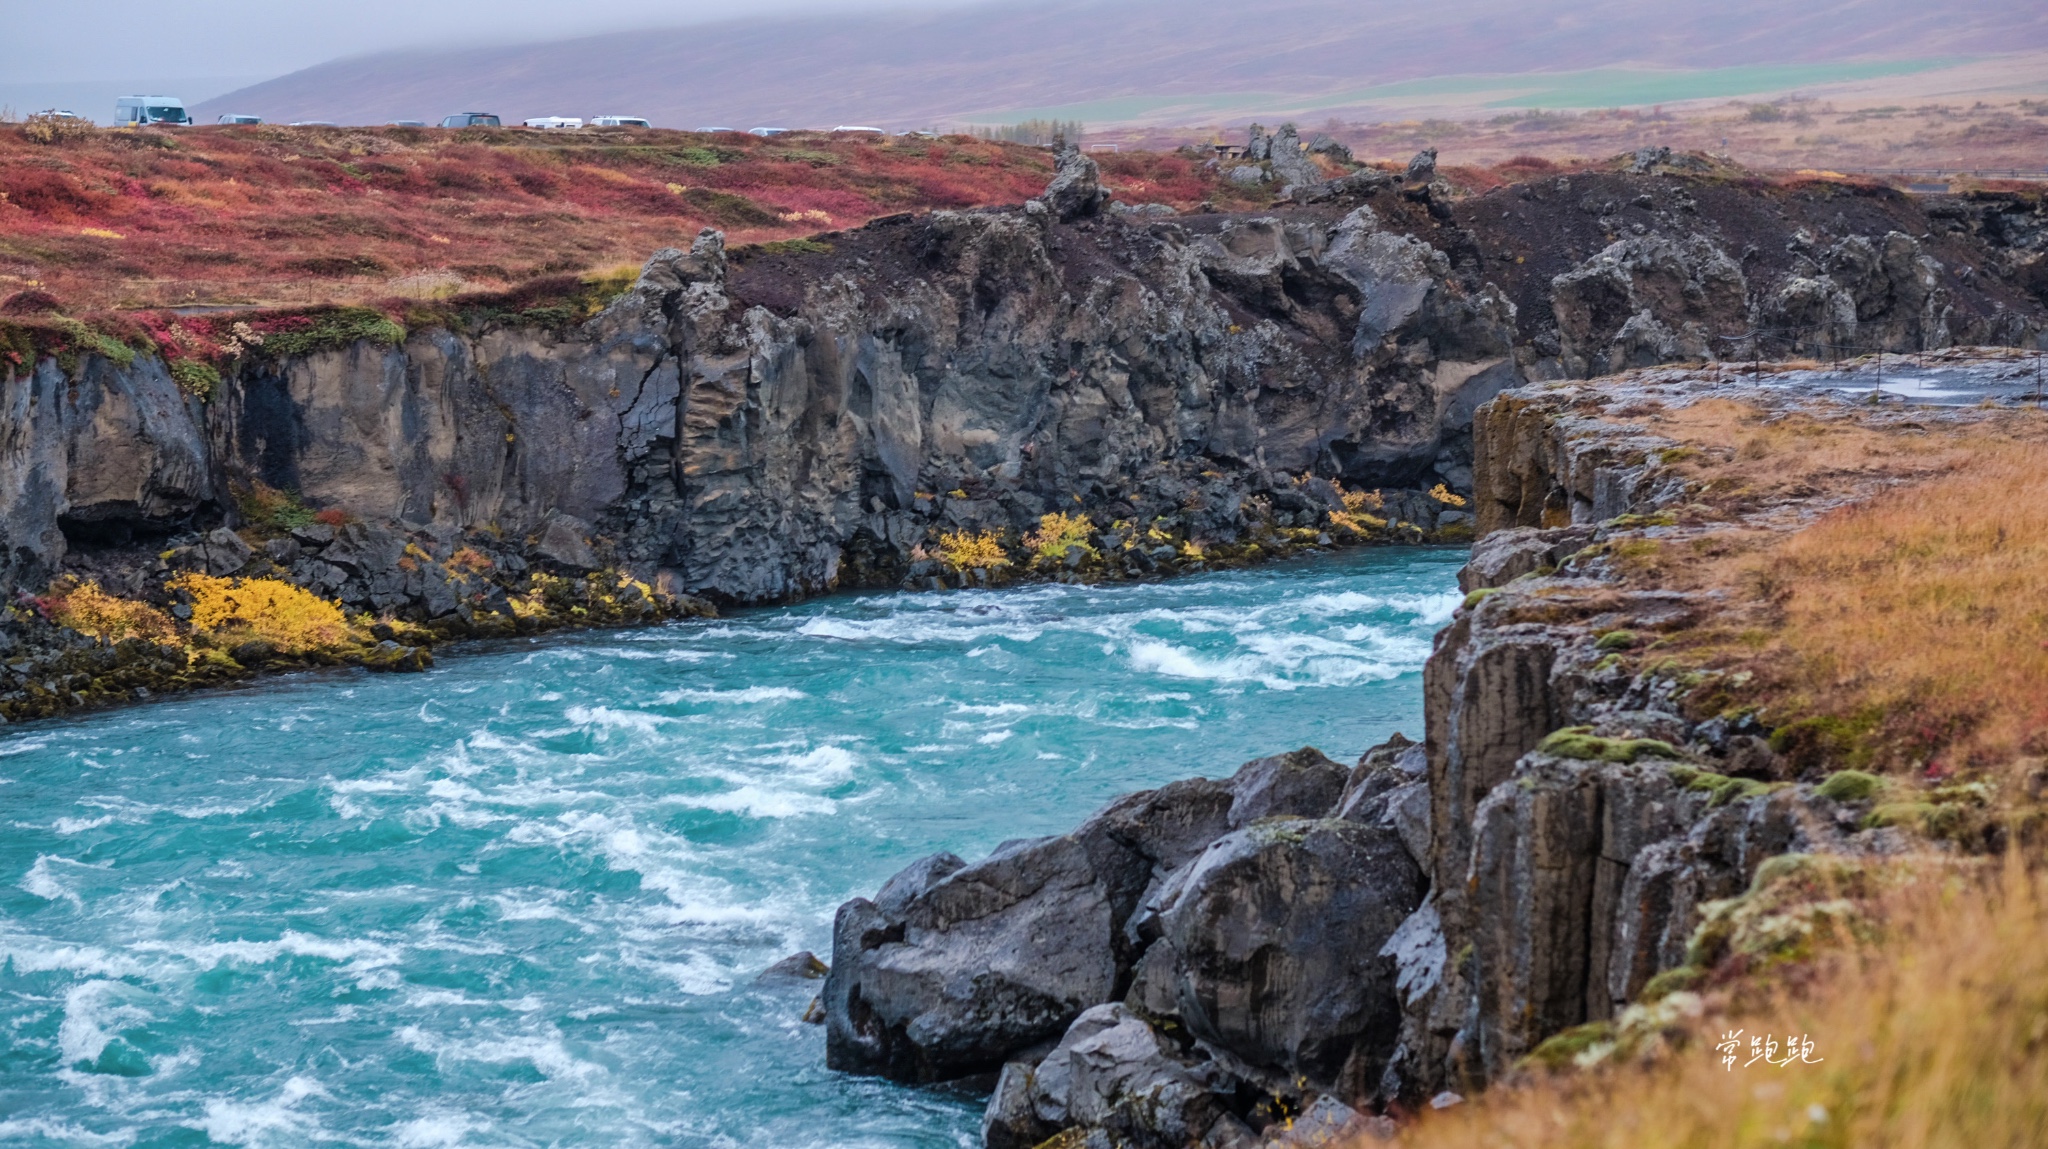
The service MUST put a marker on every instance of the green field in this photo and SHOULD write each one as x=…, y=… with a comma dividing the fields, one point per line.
x=1591, y=88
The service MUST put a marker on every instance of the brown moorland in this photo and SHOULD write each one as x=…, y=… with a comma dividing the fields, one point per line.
x=1904, y=630
x=1789, y=134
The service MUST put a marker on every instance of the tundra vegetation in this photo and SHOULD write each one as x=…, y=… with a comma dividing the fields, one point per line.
x=274, y=215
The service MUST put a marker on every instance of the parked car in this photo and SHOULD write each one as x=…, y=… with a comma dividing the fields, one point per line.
x=59, y=114
x=313, y=124
x=766, y=131
x=471, y=120
x=407, y=124
x=554, y=123
x=619, y=122
x=865, y=131
x=132, y=111
x=707, y=131
x=238, y=118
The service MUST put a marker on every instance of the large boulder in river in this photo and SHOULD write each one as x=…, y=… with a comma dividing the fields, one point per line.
x=1276, y=932
x=989, y=959
x=952, y=969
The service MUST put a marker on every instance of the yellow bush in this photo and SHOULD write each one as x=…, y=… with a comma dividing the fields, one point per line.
x=1357, y=501
x=963, y=551
x=1058, y=531
x=1355, y=516
x=293, y=620
x=87, y=609
x=1444, y=495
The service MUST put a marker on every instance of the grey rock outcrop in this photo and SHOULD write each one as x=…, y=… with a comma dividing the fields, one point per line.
x=953, y=968
x=1647, y=300
x=1076, y=190
x=1277, y=930
x=1113, y=1072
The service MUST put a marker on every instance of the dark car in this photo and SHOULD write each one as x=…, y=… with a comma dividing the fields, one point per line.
x=471, y=120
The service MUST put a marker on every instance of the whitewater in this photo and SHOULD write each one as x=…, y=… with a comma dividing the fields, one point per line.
x=523, y=899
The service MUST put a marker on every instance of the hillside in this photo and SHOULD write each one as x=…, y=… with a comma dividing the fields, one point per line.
x=1156, y=61
x=299, y=215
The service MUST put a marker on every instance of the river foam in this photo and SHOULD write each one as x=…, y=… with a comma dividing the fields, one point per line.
x=522, y=900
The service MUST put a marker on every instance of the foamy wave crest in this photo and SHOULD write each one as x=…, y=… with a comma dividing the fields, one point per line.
x=359, y=955
x=821, y=766
x=44, y=883
x=755, y=802
x=15, y=1130
x=1275, y=660
x=742, y=697
x=1426, y=609
x=606, y=718
x=434, y=1131
x=909, y=627
x=263, y=1122
x=94, y=1012
x=545, y=1053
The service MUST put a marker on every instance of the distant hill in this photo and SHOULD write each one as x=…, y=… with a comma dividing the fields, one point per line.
x=1146, y=60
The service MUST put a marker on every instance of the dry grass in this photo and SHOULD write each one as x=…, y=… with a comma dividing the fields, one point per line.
x=1928, y=606
x=1791, y=134
x=1935, y=1037
x=1914, y=618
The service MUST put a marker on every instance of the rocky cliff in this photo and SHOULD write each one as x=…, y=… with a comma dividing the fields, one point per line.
x=1279, y=955
x=753, y=425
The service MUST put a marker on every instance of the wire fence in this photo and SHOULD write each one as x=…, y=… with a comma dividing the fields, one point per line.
x=1839, y=353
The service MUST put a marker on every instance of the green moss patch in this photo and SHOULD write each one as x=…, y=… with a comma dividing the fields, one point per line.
x=1565, y=1050
x=1850, y=786
x=1581, y=742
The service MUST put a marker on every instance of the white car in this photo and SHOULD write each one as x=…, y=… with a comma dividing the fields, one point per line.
x=238, y=118
x=764, y=132
x=135, y=111
x=555, y=123
x=857, y=128
x=619, y=122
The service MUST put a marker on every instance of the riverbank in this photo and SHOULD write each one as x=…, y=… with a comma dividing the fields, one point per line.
x=1666, y=753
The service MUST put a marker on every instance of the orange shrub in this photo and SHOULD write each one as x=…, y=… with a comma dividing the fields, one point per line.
x=87, y=609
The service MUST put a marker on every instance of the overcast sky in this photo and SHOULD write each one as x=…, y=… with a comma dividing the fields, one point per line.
x=43, y=41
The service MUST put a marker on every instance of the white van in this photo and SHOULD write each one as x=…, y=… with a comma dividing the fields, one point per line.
x=130, y=111
x=554, y=123
x=619, y=122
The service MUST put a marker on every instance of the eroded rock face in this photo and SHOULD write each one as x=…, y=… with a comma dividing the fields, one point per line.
x=753, y=426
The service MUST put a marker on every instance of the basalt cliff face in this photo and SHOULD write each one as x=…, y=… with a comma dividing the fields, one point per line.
x=755, y=425
x=1275, y=957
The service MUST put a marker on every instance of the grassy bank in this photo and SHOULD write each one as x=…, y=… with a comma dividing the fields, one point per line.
x=1931, y=1034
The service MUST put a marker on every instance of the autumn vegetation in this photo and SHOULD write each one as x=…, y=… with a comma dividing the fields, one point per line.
x=1904, y=631
x=1929, y=1024
x=270, y=216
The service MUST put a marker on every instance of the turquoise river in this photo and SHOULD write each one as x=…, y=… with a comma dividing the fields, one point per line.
x=521, y=900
